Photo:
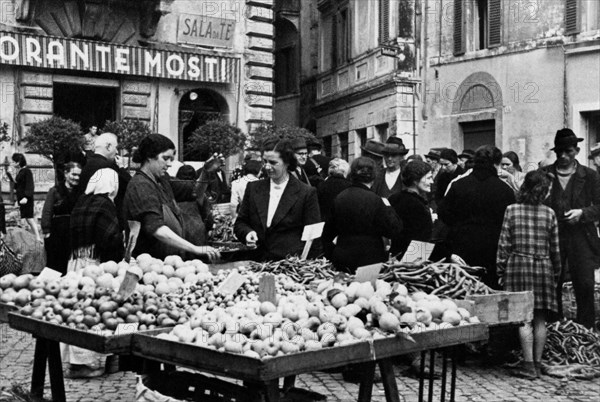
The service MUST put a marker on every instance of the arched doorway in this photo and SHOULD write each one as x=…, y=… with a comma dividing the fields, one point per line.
x=196, y=108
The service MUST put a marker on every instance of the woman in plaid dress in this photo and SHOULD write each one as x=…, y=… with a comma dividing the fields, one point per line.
x=529, y=259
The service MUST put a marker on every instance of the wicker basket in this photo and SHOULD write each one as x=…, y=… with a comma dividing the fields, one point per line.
x=570, y=305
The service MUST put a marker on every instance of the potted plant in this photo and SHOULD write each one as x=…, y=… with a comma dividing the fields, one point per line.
x=130, y=133
x=267, y=131
x=215, y=136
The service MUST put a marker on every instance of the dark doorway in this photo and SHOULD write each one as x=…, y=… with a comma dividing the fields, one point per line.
x=84, y=104
x=478, y=133
x=196, y=108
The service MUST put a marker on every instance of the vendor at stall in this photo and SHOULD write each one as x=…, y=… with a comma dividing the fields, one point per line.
x=274, y=211
x=150, y=200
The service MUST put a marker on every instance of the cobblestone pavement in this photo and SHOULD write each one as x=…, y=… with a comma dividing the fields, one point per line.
x=474, y=383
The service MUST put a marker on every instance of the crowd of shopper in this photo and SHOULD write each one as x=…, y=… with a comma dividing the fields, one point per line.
x=530, y=231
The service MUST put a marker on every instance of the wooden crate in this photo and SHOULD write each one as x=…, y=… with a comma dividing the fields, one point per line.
x=501, y=308
x=118, y=344
x=146, y=345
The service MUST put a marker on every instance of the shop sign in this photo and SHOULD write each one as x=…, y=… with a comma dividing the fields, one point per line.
x=205, y=31
x=83, y=55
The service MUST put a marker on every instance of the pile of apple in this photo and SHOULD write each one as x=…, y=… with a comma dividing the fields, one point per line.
x=333, y=315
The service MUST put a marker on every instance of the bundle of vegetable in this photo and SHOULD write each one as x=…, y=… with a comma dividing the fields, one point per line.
x=301, y=271
x=222, y=229
x=442, y=279
x=571, y=343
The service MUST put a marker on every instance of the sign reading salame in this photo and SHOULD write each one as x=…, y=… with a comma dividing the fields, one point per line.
x=74, y=54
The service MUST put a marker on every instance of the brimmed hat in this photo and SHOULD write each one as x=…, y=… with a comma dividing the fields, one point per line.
x=434, y=153
x=314, y=144
x=565, y=138
x=373, y=147
x=595, y=151
x=299, y=143
x=467, y=154
x=394, y=146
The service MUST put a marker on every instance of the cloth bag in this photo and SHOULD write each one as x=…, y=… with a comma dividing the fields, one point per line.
x=32, y=252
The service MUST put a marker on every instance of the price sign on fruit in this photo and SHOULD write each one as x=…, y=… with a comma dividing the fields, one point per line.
x=266, y=289
x=49, y=275
x=231, y=284
x=310, y=233
x=368, y=273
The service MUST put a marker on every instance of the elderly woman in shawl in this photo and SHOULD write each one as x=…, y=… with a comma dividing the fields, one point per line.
x=95, y=232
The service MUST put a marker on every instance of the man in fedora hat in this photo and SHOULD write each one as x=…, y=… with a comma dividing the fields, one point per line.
x=575, y=199
x=465, y=160
x=373, y=149
x=595, y=156
x=389, y=181
x=301, y=151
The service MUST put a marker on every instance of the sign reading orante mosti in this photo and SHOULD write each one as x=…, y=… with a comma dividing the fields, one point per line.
x=82, y=55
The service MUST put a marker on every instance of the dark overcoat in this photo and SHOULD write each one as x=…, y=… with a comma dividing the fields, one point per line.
x=360, y=220
x=414, y=212
x=474, y=210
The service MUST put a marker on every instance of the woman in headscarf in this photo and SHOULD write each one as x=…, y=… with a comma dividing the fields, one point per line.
x=95, y=231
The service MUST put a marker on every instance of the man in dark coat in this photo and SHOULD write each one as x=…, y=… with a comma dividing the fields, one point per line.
x=474, y=210
x=335, y=183
x=317, y=165
x=575, y=199
x=388, y=181
x=595, y=156
x=301, y=152
x=449, y=170
x=274, y=211
x=104, y=156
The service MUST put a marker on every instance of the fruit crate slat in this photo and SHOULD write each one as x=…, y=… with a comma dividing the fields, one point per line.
x=249, y=369
x=503, y=307
x=118, y=344
x=4, y=310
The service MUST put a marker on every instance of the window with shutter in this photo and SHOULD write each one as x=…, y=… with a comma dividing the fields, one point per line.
x=494, y=23
x=572, y=17
x=459, y=28
x=384, y=21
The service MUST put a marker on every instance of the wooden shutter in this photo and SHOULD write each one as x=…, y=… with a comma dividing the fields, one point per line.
x=384, y=21
x=494, y=23
x=572, y=25
x=459, y=28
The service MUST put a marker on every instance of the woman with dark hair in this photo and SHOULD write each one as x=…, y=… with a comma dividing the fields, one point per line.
x=473, y=209
x=24, y=189
x=56, y=218
x=359, y=219
x=529, y=259
x=274, y=211
x=150, y=200
x=412, y=207
x=511, y=172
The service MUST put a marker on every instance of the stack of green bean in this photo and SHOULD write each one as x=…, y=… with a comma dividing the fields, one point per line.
x=443, y=279
x=301, y=271
x=571, y=343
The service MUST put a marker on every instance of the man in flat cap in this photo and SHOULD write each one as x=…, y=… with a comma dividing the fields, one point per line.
x=301, y=151
x=317, y=165
x=575, y=199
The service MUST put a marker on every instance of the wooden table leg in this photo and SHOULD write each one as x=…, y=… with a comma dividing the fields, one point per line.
x=271, y=390
x=389, y=380
x=57, y=384
x=38, y=374
x=366, y=383
x=289, y=383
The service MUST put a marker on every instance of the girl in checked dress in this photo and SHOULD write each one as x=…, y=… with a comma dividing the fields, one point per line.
x=529, y=259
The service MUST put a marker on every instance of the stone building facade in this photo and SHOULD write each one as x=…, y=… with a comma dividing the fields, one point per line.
x=357, y=71
x=171, y=63
x=511, y=73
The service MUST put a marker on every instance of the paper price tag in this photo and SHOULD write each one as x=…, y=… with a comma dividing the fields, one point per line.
x=266, y=289
x=128, y=285
x=231, y=284
x=368, y=273
x=126, y=328
x=312, y=232
x=418, y=251
x=49, y=275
